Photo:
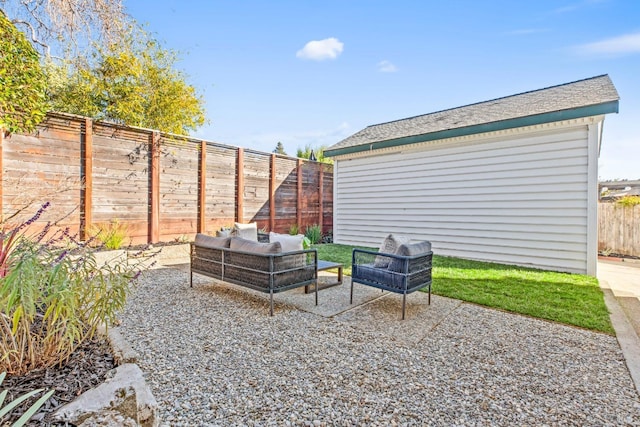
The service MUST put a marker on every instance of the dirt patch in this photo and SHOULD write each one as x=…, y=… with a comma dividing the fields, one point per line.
x=86, y=368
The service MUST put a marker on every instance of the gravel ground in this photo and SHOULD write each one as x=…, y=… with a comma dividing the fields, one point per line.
x=214, y=357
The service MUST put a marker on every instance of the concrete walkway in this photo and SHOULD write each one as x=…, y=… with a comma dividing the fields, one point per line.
x=620, y=282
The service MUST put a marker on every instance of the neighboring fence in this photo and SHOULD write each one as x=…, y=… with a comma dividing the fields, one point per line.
x=162, y=186
x=619, y=229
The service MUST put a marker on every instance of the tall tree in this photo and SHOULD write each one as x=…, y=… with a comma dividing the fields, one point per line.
x=133, y=83
x=279, y=149
x=305, y=153
x=22, y=82
x=67, y=24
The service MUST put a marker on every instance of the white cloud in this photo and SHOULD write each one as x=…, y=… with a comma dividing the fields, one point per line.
x=621, y=45
x=386, y=67
x=319, y=50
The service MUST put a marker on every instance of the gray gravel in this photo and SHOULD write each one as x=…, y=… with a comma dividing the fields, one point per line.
x=214, y=357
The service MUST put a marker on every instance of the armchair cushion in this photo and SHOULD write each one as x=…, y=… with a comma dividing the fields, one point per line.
x=244, y=245
x=413, y=249
x=389, y=246
x=212, y=242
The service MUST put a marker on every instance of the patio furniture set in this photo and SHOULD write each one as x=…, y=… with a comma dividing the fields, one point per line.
x=273, y=263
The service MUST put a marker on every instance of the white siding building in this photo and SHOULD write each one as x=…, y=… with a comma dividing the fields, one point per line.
x=512, y=180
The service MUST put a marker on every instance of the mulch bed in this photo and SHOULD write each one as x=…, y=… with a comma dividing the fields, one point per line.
x=87, y=368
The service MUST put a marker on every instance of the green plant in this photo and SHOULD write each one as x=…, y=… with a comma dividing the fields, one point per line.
x=628, y=201
x=111, y=234
x=306, y=243
x=22, y=82
x=294, y=229
x=17, y=401
x=314, y=234
x=52, y=299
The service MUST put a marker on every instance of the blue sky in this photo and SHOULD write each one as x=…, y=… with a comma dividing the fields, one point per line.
x=314, y=72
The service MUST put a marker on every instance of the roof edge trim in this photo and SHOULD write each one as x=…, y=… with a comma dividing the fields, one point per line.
x=554, y=116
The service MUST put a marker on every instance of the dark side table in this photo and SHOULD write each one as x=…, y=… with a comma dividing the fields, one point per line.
x=324, y=266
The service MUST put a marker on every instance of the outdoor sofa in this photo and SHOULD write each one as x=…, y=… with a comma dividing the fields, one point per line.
x=256, y=265
x=402, y=271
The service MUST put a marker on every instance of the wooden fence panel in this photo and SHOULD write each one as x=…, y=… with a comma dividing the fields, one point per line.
x=285, y=194
x=178, y=188
x=619, y=229
x=160, y=198
x=121, y=179
x=44, y=168
x=256, y=188
x=220, y=187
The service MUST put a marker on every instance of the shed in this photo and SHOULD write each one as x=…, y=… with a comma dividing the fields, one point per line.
x=512, y=180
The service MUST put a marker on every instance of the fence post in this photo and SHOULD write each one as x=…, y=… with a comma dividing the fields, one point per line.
x=154, y=183
x=202, y=190
x=299, y=196
x=272, y=193
x=86, y=176
x=321, y=197
x=240, y=186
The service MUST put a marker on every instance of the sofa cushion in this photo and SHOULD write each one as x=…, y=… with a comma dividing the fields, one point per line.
x=246, y=231
x=412, y=249
x=244, y=245
x=224, y=233
x=212, y=242
x=289, y=243
x=389, y=246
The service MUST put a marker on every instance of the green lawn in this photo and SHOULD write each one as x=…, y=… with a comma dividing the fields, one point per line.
x=573, y=299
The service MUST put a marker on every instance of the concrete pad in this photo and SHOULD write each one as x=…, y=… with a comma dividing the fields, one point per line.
x=626, y=335
x=420, y=319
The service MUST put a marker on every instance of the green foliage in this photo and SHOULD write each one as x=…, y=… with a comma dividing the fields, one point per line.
x=314, y=234
x=628, y=201
x=52, y=299
x=22, y=81
x=17, y=401
x=133, y=83
x=305, y=153
x=573, y=299
x=279, y=149
x=111, y=234
x=294, y=229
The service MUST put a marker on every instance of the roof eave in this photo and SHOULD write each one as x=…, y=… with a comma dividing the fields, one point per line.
x=554, y=116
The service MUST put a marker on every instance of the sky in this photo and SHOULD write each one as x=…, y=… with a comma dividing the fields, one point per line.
x=314, y=72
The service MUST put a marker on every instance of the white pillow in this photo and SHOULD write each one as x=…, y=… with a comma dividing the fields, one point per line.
x=288, y=242
x=246, y=231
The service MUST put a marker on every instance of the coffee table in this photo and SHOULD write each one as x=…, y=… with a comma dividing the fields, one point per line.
x=324, y=266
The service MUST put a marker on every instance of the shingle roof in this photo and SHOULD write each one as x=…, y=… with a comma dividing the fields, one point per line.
x=538, y=106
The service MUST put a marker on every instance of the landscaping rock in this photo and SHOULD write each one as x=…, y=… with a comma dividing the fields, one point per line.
x=125, y=396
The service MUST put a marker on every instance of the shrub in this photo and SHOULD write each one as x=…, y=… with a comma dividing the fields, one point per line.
x=111, y=234
x=294, y=229
x=53, y=298
x=313, y=233
x=628, y=201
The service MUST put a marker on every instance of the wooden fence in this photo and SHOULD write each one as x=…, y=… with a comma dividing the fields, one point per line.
x=163, y=187
x=619, y=229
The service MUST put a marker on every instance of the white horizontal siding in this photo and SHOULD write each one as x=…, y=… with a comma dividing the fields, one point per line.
x=521, y=200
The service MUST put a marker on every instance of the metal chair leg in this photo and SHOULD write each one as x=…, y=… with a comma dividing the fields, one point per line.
x=271, y=298
x=404, y=303
x=351, y=300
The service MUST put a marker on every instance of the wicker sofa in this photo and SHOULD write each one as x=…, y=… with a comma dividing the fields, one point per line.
x=255, y=265
x=404, y=271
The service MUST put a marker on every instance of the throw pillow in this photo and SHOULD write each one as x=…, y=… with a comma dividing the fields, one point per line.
x=211, y=242
x=244, y=245
x=389, y=246
x=246, y=231
x=289, y=243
